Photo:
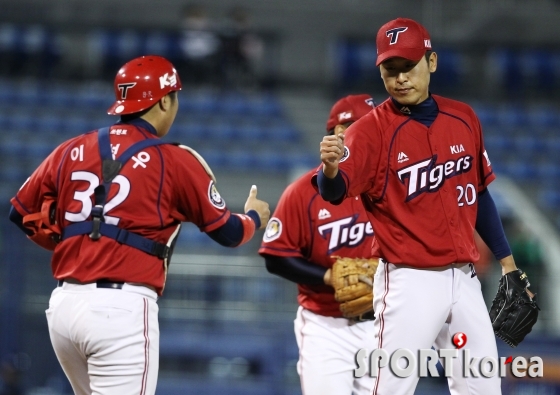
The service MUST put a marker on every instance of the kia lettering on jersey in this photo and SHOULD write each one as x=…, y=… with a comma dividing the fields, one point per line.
x=428, y=175
x=345, y=232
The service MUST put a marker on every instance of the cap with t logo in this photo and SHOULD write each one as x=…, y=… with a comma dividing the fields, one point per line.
x=403, y=38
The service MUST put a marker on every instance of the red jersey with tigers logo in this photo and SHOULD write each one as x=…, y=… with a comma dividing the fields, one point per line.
x=425, y=179
x=317, y=231
x=146, y=198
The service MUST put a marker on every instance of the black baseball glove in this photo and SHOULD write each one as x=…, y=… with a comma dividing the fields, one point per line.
x=513, y=312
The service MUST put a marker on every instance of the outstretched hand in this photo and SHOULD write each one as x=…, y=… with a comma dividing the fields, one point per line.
x=260, y=206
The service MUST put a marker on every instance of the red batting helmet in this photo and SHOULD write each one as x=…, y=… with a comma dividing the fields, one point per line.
x=349, y=109
x=142, y=82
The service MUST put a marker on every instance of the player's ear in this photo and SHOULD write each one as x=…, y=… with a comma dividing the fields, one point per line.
x=165, y=103
x=432, y=62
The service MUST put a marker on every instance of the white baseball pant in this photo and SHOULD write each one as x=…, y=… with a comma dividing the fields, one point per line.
x=327, y=354
x=106, y=340
x=420, y=308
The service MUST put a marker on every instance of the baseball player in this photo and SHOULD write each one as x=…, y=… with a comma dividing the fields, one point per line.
x=419, y=163
x=300, y=242
x=110, y=203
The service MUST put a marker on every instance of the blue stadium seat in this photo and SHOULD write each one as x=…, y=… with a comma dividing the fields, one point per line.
x=240, y=160
x=19, y=122
x=187, y=131
x=521, y=170
x=550, y=198
x=449, y=69
x=543, y=117
x=28, y=94
x=12, y=146
x=272, y=161
x=251, y=132
x=552, y=146
x=214, y=157
x=512, y=116
x=233, y=103
x=548, y=172
x=264, y=105
x=220, y=132
x=7, y=91
x=48, y=123
x=199, y=102
x=112, y=48
x=508, y=69
x=527, y=144
x=74, y=125
x=487, y=115
x=59, y=96
x=497, y=144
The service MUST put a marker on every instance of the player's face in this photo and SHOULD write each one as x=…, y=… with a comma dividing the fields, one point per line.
x=408, y=81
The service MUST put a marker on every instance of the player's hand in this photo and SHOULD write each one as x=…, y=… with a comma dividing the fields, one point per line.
x=259, y=206
x=327, y=277
x=331, y=149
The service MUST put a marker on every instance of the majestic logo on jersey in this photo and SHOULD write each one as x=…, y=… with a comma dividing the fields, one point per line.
x=370, y=102
x=215, y=197
x=124, y=88
x=402, y=157
x=273, y=230
x=344, y=116
x=429, y=176
x=393, y=34
x=345, y=232
x=167, y=80
x=455, y=149
x=345, y=155
x=405, y=110
x=324, y=213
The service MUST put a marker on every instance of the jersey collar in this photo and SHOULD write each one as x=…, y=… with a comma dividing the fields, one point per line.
x=140, y=123
x=425, y=112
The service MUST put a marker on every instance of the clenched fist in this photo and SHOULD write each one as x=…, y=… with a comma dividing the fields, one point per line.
x=332, y=150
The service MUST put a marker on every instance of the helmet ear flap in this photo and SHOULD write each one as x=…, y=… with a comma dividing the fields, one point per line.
x=142, y=82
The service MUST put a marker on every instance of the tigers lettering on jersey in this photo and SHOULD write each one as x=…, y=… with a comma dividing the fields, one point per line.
x=345, y=232
x=429, y=176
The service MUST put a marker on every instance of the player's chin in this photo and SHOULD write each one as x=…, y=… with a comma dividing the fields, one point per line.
x=407, y=98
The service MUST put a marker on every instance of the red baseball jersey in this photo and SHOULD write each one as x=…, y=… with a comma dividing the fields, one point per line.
x=156, y=190
x=305, y=226
x=421, y=182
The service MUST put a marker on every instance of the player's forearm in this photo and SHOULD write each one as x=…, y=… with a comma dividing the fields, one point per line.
x=295, y=269
x=233, y=232
x=489, y=226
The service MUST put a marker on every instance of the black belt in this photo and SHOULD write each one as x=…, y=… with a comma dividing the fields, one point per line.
x=101, y=284
x=369, y=316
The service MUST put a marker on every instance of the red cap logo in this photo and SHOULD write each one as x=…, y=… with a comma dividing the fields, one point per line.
x=403, y=38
